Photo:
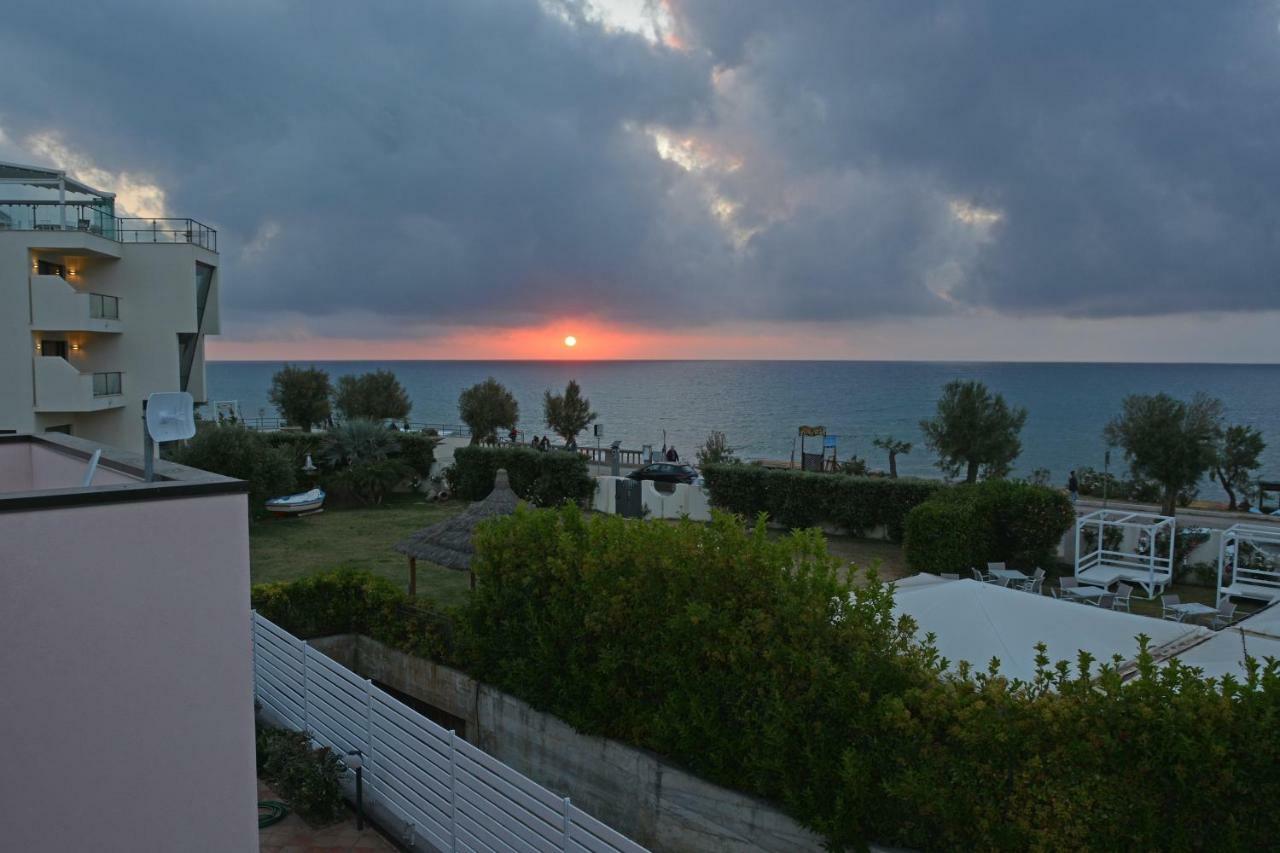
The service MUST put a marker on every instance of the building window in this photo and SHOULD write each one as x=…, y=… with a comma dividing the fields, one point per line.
x=65, y=429
x=53, y=349
x=50, y=268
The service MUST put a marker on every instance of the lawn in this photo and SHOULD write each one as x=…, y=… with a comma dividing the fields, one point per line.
x=357, y=538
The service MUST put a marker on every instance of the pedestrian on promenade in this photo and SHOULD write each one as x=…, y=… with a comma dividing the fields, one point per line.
x=1073, y=486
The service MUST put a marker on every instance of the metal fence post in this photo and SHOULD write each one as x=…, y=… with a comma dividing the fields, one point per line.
x=253, y=650
x=368, y=726
x=567, y=824
x=453, y=792
x=306, y=701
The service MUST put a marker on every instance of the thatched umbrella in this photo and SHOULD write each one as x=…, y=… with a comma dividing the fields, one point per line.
x=448, y=543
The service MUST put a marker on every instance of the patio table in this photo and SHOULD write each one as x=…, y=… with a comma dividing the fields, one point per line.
x=1193, y=609
x=1087, y=593
x=1009, y=575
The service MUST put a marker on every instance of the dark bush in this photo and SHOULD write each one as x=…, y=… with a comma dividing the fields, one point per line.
x=418, y=451
x=805, y=499
x=542, y=478
x=234, y=451
x=309, y=780
x=298, y=444
x=350, y=602
x=995, y=520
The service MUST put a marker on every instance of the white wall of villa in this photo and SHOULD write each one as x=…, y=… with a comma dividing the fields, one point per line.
x=124, y=647
x=116, y=306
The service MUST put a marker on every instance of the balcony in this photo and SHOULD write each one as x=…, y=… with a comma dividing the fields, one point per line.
x=56, y=306
x=62, y=388
x=92, y=218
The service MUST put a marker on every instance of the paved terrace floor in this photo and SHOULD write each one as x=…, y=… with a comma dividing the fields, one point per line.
x=292, y=835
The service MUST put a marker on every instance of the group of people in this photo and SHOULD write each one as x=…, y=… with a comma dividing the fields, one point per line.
x=544, y=442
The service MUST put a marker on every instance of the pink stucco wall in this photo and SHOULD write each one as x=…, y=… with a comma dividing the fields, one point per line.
x=126, y=692
x=25, y=466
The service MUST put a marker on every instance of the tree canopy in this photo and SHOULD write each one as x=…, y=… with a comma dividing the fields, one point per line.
x=1237, y=459
x=974, y=431
x=487, y=407
x=1170, y=441
x=893, y=447
x=376, y=396
x=569, y=413
x=301, y=394
x=716, y=450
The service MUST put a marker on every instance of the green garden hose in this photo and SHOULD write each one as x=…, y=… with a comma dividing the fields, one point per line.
x=271, y=812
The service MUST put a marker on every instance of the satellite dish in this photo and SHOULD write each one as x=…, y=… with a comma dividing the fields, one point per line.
x=170, y=416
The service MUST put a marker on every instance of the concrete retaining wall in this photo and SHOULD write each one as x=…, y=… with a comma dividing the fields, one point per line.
x=635, y=792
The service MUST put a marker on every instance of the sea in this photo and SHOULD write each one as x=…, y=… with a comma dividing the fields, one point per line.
x=760, y=405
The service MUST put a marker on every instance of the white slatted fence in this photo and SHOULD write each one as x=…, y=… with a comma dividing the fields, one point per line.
x=450, y=792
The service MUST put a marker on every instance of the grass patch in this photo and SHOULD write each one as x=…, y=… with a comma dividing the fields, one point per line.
x=358, y=538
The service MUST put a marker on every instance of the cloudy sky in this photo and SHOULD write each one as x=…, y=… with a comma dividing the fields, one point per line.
x=729, y=178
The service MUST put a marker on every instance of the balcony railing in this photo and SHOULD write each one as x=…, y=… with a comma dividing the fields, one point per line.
x=107, y=384
x=135, y=230
x=103, y=307
x=83, y=216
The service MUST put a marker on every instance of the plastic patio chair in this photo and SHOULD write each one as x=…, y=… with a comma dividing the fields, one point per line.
x=1120, y=601
x=1033, y=583
x=978, y=575
x=1226, y=613
x=1168, y=601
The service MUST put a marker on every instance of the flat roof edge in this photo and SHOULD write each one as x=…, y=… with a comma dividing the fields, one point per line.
x=172, y=480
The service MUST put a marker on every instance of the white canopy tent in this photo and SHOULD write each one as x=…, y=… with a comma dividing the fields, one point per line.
x=976, y=622
x=1102, y=566
x=1249, y=562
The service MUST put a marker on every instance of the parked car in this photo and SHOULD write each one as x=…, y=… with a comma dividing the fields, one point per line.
x=666, y=472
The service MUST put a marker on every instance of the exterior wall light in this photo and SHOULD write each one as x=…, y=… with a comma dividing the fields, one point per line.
x=75, y=347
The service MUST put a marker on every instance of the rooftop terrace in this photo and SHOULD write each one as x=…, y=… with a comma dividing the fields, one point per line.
x=34, y=198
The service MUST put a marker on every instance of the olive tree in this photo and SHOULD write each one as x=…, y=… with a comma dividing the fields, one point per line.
x=893, y=447
x=487, y=407
x=1236, y=460
x=716, y=450
x=974, y=431
x=301, y=394
x=1172, y=442
x=569, y=413
x=376, y=396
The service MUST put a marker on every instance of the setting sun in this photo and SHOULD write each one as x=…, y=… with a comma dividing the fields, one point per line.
x=570, y=341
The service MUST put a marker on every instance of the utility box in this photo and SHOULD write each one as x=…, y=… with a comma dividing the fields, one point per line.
x=627, y=502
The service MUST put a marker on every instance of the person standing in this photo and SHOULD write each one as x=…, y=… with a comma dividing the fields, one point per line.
x=1073, y=486
x=672, y=456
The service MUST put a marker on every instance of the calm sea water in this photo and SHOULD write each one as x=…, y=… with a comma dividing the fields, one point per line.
x=759, y=404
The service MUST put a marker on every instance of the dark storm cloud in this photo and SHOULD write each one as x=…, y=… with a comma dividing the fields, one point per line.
x=491, y=162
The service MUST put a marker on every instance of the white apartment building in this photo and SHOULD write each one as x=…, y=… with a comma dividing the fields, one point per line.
x=96, y=311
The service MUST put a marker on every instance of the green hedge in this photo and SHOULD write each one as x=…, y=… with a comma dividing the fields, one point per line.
x=234, y=451
x=309, y=780
x=748, y=660
x=351, y=602
x=996, y=520
x=416, y=450
x=804, y=499
x=542, y=478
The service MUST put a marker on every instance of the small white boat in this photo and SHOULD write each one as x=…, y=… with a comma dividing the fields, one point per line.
x=299, y=504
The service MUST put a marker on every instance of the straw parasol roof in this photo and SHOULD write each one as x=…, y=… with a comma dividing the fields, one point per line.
x=448, y=543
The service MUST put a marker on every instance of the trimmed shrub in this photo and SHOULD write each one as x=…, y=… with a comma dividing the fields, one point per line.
x=233, y=451
x=805, y=499
x=995, y=520
x=542, y=478
x=746, y=659
x=298, y=444
x=418, y=452
x=310, y=780
x=351, y=602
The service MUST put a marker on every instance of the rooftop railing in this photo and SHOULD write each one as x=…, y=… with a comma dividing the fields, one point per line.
x=84, y=216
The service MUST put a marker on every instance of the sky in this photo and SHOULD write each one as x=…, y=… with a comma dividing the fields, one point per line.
x=991, y=180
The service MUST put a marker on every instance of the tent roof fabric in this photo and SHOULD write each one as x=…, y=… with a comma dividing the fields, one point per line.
x=448, y=543
x=976, y=622
x=42, y=176
x=1224, y=652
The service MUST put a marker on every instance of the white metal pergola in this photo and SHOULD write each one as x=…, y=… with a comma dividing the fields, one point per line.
x=1101, y=566
x=1256, y=576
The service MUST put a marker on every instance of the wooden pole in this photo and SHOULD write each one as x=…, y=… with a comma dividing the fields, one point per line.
x=413, y=577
